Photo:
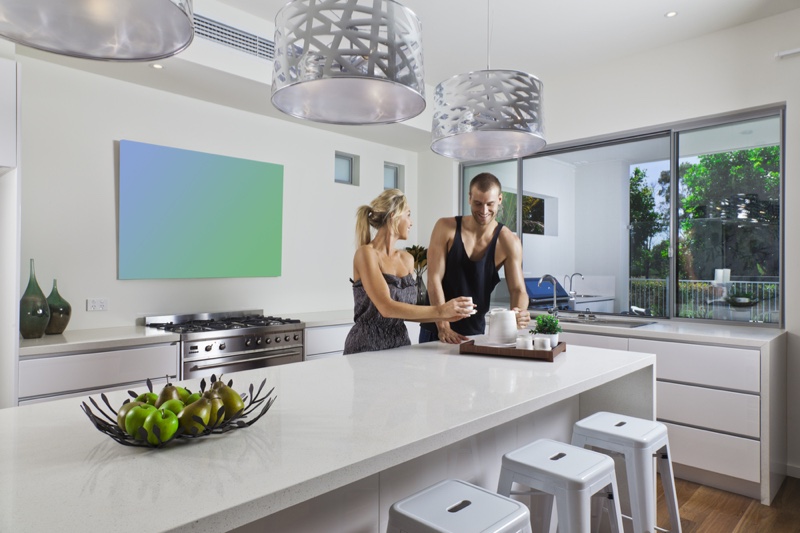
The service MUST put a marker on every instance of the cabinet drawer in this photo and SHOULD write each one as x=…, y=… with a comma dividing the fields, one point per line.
x=733, y=456
x=595, y=341
x=716, y=366
x=79, y=372
x=731, y=412
x=326, y=339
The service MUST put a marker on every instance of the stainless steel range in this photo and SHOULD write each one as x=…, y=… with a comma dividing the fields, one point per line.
x=217, y=343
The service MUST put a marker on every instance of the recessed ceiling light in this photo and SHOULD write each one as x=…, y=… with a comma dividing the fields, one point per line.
x=157, y=66
x=670, y=14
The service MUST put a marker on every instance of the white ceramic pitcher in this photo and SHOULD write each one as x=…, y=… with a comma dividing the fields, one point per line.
x=502, y=324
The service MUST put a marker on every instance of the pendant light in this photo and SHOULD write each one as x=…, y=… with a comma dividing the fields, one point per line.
x=488, y=115
x=111, y=30
x=348, y=62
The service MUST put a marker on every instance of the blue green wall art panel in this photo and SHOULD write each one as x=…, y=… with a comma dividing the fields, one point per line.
x=187, y=214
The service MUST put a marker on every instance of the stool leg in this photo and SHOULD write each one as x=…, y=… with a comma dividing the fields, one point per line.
x=614, y=512
x=505, y=482
x=668, y=483
x=574, y=512
x=639, y=465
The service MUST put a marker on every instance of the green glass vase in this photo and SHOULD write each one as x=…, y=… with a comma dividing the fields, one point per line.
x=60, y=312
x=34, y=313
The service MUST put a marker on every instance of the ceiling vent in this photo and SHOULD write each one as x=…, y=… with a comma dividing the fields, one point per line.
x=233, y=37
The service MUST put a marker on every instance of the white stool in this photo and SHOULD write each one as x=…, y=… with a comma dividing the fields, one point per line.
x=566, y=474
x=638, y=440
x=455, y=506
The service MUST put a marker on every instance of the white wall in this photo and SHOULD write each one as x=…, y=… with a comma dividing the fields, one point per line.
x=72, y=120
x=718, y=73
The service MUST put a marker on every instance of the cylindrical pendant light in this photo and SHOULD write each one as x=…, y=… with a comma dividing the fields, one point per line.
x=488, y=115
x=111, y=30
x=348, y=61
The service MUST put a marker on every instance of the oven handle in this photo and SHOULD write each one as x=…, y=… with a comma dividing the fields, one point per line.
x=243, y=361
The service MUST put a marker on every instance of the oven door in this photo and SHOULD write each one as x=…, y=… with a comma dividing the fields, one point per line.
x=200, y=368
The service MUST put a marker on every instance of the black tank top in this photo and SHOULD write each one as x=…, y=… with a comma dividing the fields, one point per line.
x=465, y=277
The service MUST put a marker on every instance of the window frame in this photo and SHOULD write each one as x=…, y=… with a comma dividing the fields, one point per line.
x=399, y=176
x=354, y=163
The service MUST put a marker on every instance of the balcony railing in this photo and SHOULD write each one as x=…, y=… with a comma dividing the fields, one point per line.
x=705, y=299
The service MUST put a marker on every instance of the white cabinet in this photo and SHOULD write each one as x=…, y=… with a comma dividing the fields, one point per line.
x=60, y=376
x=595, y=341
x=725, y=409
x=326, y=341
x=413, y=331
x=8, y=113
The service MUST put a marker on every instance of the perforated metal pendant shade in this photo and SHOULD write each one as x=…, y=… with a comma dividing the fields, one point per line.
x=110, y=30
x=348, y=62
x=488, y=115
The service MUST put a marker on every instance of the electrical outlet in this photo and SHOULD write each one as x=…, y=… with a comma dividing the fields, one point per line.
x=97, y=304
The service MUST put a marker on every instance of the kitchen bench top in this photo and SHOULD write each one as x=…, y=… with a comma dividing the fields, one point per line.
x=92, y=340
x=335, y=421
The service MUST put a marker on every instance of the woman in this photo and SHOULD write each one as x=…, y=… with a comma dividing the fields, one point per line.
x=384, y=289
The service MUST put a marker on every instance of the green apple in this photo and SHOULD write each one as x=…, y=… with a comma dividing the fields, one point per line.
x=147, y=397
x=162, y=420
x=176, y=406
x=193, y=397
x=135, y=419
x=124, y=411
x=182, y=393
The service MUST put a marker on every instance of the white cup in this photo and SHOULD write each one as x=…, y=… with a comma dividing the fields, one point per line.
x=524, y=342
x=473, y=310
x=541, y=343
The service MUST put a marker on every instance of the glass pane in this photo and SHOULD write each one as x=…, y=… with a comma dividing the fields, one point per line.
x=598, y=220
x=389, y=177
x=729, y=222
x=343, y=171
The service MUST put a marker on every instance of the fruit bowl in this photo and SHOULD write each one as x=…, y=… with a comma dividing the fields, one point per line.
x=254, y=407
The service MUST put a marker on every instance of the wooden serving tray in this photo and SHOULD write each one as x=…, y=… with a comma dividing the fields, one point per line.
x=545, y=355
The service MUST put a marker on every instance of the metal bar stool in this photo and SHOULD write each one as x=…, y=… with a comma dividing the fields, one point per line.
x=455, y=506
x=639, y=440
x=565, y=474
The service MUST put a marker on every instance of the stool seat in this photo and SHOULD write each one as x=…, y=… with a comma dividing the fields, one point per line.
x=456, y=506
x=565, y=474
x=639, y=440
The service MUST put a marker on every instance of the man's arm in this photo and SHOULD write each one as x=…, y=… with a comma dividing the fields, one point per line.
x=443, y=231
x=512, y=250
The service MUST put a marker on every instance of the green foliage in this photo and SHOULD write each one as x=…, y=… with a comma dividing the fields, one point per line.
x=648, y=259
x=546, y=325
x=420, y=255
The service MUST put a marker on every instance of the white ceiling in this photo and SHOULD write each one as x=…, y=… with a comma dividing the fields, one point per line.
x=539, y=36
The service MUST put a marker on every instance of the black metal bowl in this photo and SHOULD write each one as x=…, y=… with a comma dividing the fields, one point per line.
x=254, y=401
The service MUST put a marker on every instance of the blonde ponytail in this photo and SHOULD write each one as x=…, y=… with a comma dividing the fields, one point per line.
x=380, y=212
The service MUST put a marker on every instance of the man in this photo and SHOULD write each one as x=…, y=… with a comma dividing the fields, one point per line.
x=464, y=257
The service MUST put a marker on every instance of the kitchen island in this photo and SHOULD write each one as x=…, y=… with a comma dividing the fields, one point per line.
x=346, y=438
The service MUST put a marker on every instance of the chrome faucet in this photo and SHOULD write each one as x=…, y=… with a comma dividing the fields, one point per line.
x=570, y=279
x=551, y=279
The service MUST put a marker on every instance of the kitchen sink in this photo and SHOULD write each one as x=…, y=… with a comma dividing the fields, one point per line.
x=621, y=323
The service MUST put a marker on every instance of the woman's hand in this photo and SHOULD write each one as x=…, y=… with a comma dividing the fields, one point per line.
x=523, y=317
x=457, y=308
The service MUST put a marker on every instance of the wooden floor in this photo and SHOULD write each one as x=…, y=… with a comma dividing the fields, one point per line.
x=707, y=510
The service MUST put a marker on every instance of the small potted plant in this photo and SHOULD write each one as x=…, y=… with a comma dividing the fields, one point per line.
x=547, y=326
x=420, y=255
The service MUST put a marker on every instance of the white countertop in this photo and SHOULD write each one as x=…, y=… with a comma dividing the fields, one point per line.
x=335, y=421
x=83, y=340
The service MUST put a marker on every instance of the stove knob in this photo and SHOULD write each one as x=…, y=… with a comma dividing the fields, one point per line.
x=267, y=340
x=297, y=336
x=258, y=340
x=287, y=338
x=248, y=342
x=222, y=346
x=278, y=338
x=208, y=347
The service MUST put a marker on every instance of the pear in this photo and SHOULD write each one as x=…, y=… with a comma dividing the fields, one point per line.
x=216, y=404
x=169, y=392
x=200, y=408
x=230, y=398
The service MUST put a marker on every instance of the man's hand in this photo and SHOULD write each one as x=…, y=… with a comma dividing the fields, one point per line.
x=523, y=317
x=449, y=336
